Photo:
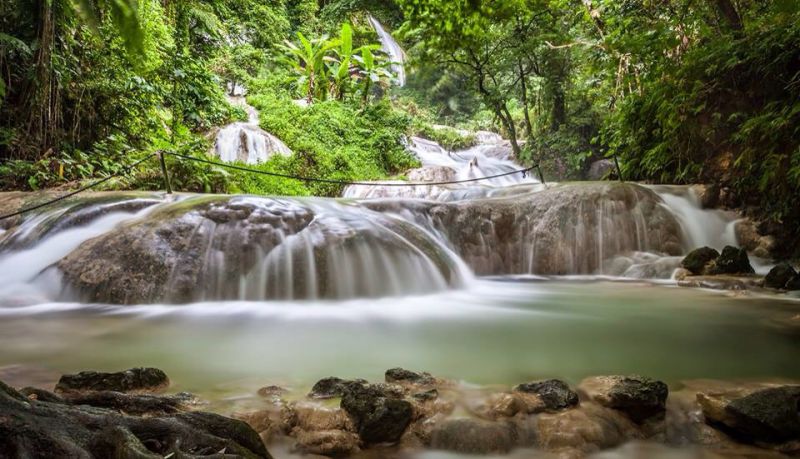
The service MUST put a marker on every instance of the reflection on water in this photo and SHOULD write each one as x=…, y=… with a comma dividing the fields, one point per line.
x=494, y=333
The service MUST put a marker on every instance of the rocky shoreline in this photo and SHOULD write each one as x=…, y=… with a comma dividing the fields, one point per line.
x=125, y=414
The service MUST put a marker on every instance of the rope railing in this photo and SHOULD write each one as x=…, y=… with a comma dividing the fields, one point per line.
x=91, y=185
x=168, y=185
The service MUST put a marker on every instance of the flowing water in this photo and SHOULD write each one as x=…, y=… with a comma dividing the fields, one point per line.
x=245, y=141
x=392, y=49
x=488, y=283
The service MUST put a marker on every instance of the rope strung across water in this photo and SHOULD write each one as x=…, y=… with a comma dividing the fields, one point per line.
x=127, y=169
x=524, y=172
x=124, y=170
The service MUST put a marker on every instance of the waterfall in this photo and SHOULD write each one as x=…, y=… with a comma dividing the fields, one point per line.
x=490, y=157
x=245, y=141
x=393, y=49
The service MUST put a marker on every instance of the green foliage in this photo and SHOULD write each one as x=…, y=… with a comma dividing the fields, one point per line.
x=335, y=140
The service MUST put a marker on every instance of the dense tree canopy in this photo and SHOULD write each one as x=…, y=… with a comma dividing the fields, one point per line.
x=680, y=91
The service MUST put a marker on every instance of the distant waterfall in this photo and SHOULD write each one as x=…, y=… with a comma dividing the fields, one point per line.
x=246, y=141
x=393, y=49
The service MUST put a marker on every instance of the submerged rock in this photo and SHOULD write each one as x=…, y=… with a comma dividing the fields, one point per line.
x=473, y=436
x=34, y=427
x=769, y=415
x=732, y=261
x=331, y=443
x=556, y=394
x=698, y=260
x=378, y=416
x=779, y=276
x=638, y=397
x=133, y=380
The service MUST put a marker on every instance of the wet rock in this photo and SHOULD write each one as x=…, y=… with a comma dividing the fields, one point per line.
x=769, y=415
x=779, y=276
x=721, y=282
x=640, y=398
x=332, y=387
x=708, y=195
x=732, y=261
x=31, y=428
x=41, y=395
x=473, y=436
x=794, y=283
x=751, y=239
x=133, y=380
x=378, y=416
x=601, y=169
x=330, y=443
x=428, y=395
x=271, y=391
x=586, y=429
x=400, y=375
x=506, y=405
x=555, y=394
x=698, y=260
x=432, y=174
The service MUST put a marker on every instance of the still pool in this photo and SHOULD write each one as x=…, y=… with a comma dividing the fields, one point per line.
x=496, y=332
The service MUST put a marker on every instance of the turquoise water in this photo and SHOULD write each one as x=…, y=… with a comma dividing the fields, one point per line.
x=495, y=332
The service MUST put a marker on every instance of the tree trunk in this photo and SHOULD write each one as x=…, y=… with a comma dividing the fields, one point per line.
x=732, y=18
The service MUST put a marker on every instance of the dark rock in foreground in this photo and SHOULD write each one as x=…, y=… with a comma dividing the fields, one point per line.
x=133, y=380
x=379, y=417
x=794, y=283
x=640, y=398
x=779, y=276
x=698, y=259
x=555, y=393
x=770, y=415
x=732, y=261
x=32, y=427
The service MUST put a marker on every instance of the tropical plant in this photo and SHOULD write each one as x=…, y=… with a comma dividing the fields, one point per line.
x=308, y=60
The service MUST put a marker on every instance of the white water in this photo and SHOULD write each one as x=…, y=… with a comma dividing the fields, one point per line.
x=393, y=49
x=246, y=142
x=703, y=227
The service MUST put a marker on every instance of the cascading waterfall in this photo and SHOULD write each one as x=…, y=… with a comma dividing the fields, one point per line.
x=393, y=49
x=245, y=141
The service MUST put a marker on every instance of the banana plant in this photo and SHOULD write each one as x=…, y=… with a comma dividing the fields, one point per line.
x=372, y=69
x=308, y=60
x=342, y=65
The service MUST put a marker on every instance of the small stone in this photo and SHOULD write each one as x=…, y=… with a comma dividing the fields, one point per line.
x=271, y=391
x=640, y=398
x=556, y=394
x=332, y=387
x=133, y=380
x=732, y=261
x=698, y=259
x=378, y=417
x=400, y=375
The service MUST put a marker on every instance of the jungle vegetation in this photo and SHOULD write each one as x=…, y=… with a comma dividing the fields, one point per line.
x=680, y=91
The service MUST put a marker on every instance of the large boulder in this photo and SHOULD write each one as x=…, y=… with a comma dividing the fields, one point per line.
x=698, y=260
x=564, y=229
x=44, y=426
x=794, y=283
x=401, y=375
x=556, y=394
x=133, y=380
x=601, y=170
x=779, y=276
x=218, y=248
x=474, y=436
x=378, y=415
x=332, y=387
x=732, y=260
x=769, y=415
x=640, y=398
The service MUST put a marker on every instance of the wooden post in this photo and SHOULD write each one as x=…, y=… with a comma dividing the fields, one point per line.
x=619, y=171
x=167, y=183
x=541, y=175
